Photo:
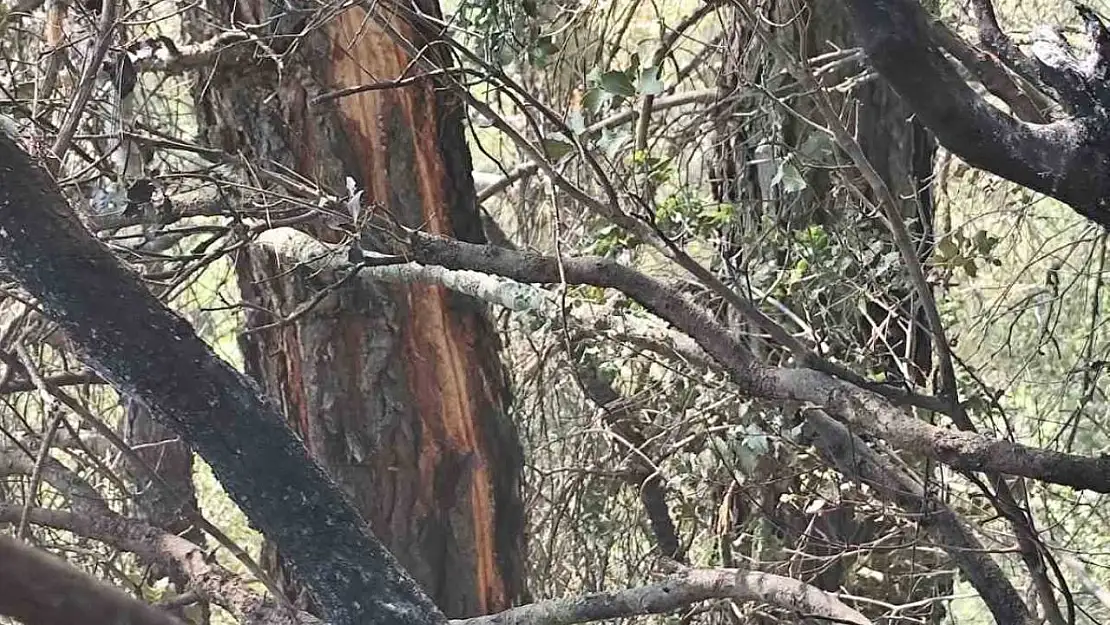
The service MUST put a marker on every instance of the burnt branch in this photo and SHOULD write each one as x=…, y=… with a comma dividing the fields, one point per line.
x=1068, y=159
x=152, y=355
x=1098, y=65
x=1062, y=77
x=993, y=75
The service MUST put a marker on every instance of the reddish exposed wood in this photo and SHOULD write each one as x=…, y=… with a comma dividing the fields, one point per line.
x=397, y=391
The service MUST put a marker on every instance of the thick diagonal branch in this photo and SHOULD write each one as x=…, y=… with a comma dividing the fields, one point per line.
x=148, y=353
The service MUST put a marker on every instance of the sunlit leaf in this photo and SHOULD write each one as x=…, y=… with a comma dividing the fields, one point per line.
x=594, y=100
x=557, y=148
x=651, y=82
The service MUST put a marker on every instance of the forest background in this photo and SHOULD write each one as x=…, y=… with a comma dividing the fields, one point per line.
x=729, y=335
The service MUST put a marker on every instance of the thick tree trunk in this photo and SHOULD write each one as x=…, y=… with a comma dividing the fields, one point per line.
x=398, y=391
x=752, y=153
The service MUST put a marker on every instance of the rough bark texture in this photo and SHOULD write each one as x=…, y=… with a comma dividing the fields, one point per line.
x=167, y=508
x=397, y=390
x=146, y=352
x=162, y=450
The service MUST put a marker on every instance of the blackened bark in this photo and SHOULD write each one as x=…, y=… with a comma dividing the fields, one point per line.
x=147, y=352
x=398, y=391
x=1067, y=159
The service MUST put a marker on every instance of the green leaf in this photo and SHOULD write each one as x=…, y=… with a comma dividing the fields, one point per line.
x=651, y=82
x=618, y=83
x=557, y=148
x=946, y=249
x=789, y=177
x=594, y=100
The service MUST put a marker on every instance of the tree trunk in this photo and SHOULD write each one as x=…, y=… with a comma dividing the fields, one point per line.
x=758, y=163
x=398, y=391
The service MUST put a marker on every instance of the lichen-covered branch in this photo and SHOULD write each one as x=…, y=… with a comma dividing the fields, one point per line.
x=860, y=408
x=680, y=591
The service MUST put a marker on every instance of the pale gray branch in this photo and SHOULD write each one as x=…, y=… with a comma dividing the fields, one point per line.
x=678, y=592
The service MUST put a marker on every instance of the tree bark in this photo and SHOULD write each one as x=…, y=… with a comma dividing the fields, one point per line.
x=397, y=390
x=1066, y=159
x=146, y=352
x=167, y=508
x=40, y=589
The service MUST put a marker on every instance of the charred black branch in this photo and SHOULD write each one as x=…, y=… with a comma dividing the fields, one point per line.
x=148, y=353
x=1068, y=159
x=1098, y=64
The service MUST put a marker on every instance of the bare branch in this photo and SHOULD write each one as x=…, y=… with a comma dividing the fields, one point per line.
x=154, y=356
x=82, y=496
x=207, y=578
x=39, y=589
x=993, y=75
x=179, y=59
x=680, y=591
x=1066, y=159
x=962, y=450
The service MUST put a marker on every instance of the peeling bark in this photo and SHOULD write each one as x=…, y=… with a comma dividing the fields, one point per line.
x=397, y=390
